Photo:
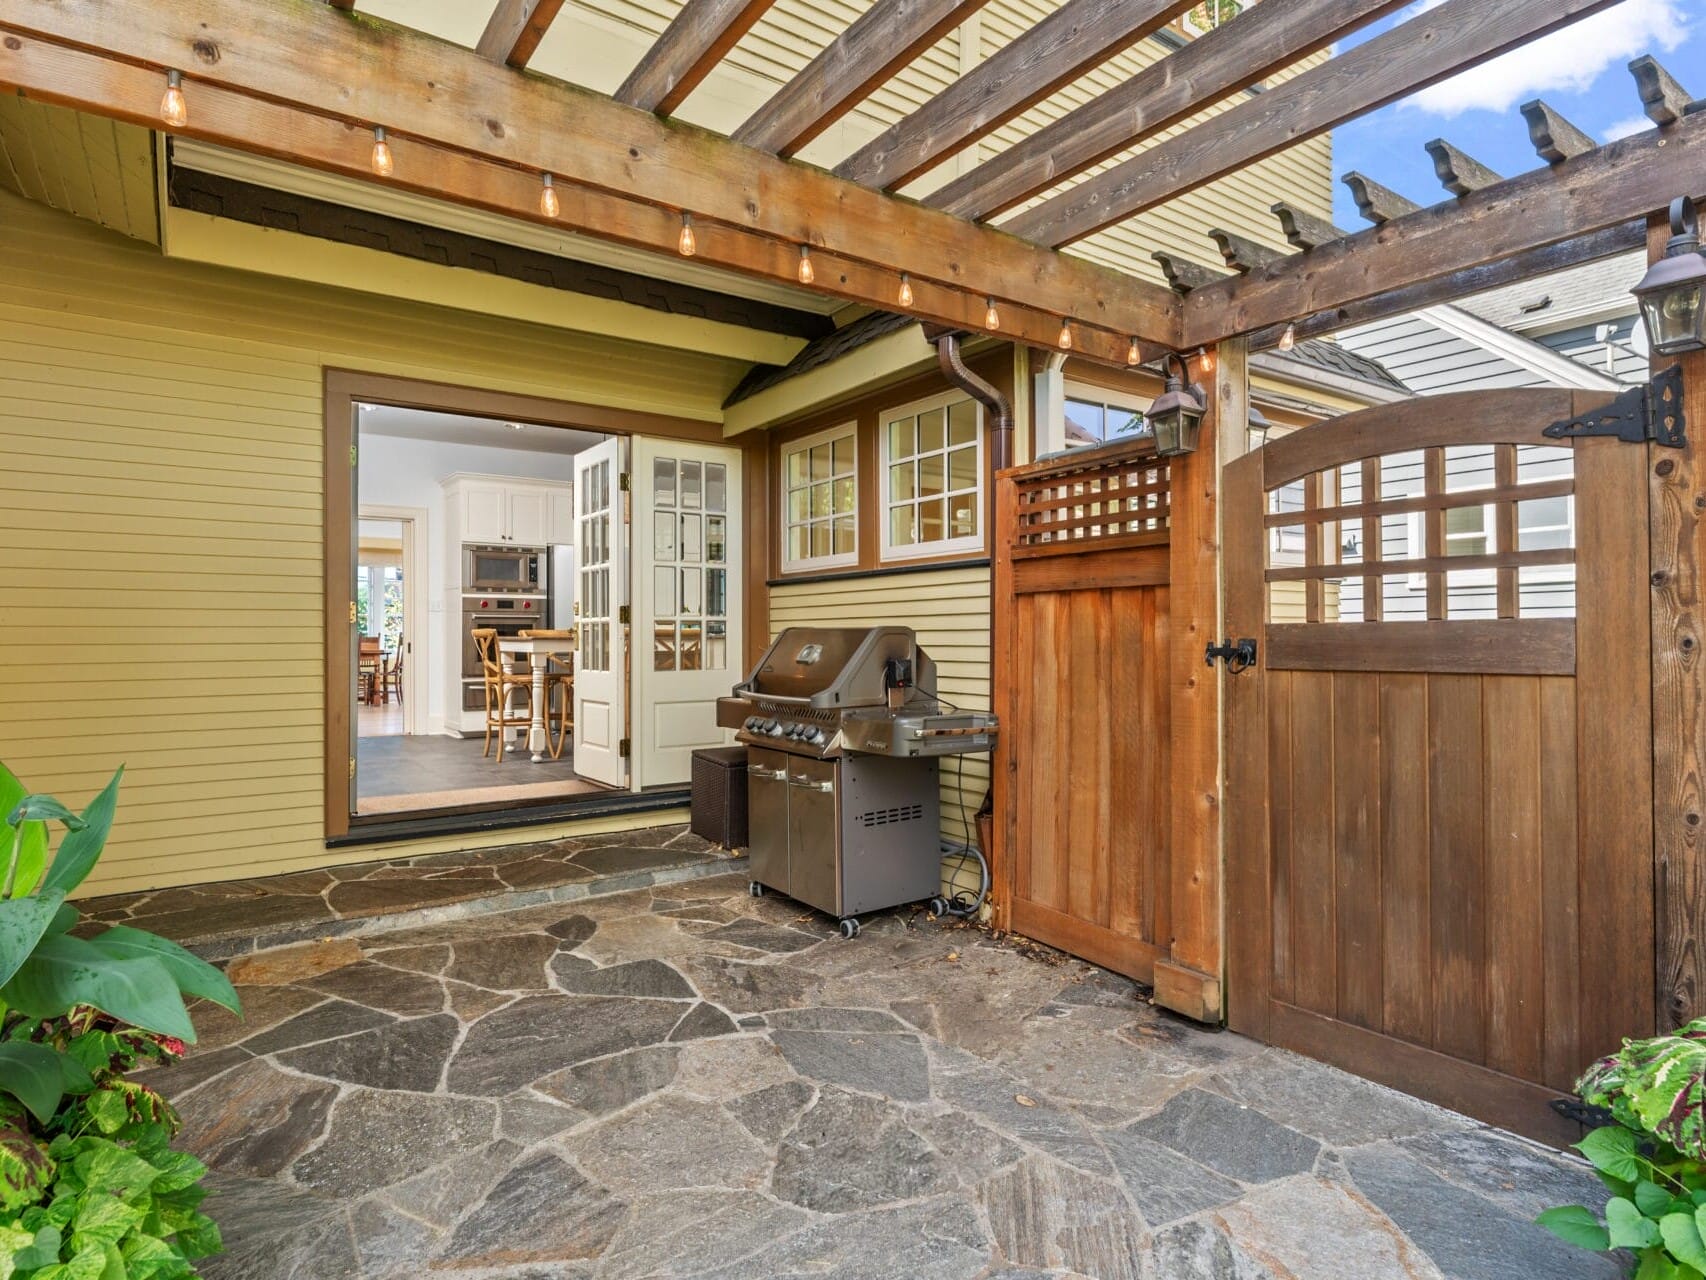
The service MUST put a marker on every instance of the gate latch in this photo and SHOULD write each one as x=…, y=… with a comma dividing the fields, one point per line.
x=1238, y=655
x=1651, y=411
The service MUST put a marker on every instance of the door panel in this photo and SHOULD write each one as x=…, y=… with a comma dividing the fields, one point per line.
x=601, y=651
x=814, y=867
x=687, y=609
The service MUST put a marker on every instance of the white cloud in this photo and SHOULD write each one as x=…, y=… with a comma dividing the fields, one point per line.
x=1623, y=128
x=1570, y=59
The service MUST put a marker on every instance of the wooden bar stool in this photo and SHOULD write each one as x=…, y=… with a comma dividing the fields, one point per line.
x=499, y=685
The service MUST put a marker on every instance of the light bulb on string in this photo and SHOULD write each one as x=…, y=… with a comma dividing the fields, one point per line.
x=549, y=204
x=383, y=164
x=905, y=296
x=806, y=273
x=1205, y=360
x=687, y=245
x=174, y=110
x=991, y=317
x=1132, y=356
x=1288, y=339
x=1064, y=342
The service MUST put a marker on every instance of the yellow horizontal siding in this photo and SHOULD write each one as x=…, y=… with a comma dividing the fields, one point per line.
x=949, y=609
x=160, y=560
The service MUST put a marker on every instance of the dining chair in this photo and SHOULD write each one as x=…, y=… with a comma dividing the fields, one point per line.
x=391, y=676
x=499, y=685
x=368, y=660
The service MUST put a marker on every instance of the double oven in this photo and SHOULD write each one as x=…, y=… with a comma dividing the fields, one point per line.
x=508, y=616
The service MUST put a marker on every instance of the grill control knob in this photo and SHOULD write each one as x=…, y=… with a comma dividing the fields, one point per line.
x=774, y=729
x=815, y=737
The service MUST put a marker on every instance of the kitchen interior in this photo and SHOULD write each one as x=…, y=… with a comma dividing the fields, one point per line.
x=465, y=533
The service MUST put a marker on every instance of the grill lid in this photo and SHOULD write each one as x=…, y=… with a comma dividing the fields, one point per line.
x=832, y=668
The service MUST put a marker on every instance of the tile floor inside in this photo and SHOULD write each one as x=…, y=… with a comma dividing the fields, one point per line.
x=684, y=1080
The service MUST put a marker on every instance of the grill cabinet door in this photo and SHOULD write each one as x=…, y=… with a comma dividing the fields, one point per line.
x=814, y=856
x=767, y=816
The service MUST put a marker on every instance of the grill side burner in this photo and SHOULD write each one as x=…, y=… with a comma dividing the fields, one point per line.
x=844, y=794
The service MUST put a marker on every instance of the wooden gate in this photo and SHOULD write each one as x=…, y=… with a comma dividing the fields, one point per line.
x=1438, y=791
x=1081, y=675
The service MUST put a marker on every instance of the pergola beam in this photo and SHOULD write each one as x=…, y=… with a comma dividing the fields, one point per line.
x=699, y=37
x=1252, y=46
x=1606, y=188
x=299, y=53
x=1411, y=56
x=873, y=50
x=514, y=30
x=1080, y=35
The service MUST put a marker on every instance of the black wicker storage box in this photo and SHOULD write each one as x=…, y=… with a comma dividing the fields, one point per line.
x=719, y=796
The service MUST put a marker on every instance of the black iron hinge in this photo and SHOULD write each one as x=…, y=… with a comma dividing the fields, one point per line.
x=1651, y=411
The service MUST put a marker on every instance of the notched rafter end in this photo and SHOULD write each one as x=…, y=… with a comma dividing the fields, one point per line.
x=1182, y=274
x=1303, y=230
x=1555, y=138
x=1459, y=172
x=1662, y=98
x=1377, y=203
x=1241, y=253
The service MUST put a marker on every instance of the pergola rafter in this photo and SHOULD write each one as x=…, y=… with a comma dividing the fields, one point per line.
x=514, y=30
x=698, y=38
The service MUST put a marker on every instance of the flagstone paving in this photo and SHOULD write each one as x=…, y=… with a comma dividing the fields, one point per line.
x=684, y=1081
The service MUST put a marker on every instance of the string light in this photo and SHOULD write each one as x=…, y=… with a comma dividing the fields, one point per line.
x=549, y=205
x=173, y=109
x=991, y=317
x=1205, y=360
x=687, y=244
x=807, y=273
x=905, y=289
x=383, y=164
x=1131, y=354
x=1288, y=339
x=1064, y=342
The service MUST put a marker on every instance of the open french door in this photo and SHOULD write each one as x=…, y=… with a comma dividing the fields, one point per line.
x=601, y=607
x=687, y=602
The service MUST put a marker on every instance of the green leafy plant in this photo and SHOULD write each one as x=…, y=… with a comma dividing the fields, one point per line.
x=90, y=1188
x=1652, y=1160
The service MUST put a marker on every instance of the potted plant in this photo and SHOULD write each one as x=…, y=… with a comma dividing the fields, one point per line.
x=90, y=1187
x=1652, y=1158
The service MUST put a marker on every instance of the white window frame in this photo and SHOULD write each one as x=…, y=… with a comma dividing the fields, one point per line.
x=1416, y=546
x=836, y=559
x=946, y=546
x=1107, y=398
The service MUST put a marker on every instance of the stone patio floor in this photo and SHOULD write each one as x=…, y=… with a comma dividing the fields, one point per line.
x=686, y=1081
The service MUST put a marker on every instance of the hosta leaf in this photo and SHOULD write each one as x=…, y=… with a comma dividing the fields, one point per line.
x=1629, y=1228
x=42, y=1251
x=194, y=976
x=66, y=971
x=1652, y=1199
x=23, y=922
x=1656, y=1266
x=34, y=1075
x=1611, y=1150
x=1682, y=1237
x=80, y=850
x=1576, y=1225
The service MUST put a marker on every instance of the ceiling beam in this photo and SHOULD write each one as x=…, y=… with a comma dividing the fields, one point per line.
x=514, y=30
x=890, y=34
x=1609, y=187
x=699, y=37
x=298, y=52
x=1258, y=42
x=1593, y=247
x=1075, y=38
x=95, y=82
x=1411, y=56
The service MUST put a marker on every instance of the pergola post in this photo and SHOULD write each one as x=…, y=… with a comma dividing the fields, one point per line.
x=1676, y=514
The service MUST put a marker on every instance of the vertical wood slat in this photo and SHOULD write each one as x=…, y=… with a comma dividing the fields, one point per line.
x=1158, y=711
x=1407, y=968
x=1281, y=805
x=1456, y=877
x=1130, y=772
x=1313, y=535
x=1373, y=585
x=1433, y=525
x=1505, y=528
x=1085, y=756
x=1514, y=977
x=1314, y=911
x=1355, y=750
x=1561, y=944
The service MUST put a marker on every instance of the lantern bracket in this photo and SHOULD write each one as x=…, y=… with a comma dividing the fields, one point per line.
x=1649, y=412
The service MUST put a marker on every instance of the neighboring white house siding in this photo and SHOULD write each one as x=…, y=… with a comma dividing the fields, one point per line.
x=1431, y=361
x=1614, y=356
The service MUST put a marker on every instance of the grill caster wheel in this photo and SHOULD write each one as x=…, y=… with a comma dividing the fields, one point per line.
x=755, y=889
x=849, y=928
x=938, y=908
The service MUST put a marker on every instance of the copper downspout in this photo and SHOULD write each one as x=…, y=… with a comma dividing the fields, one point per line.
x=1001, y=412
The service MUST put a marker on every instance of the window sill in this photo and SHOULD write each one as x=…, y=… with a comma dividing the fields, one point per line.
x=977, y=561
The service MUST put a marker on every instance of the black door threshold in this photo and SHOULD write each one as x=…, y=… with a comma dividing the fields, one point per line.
x=388, y=830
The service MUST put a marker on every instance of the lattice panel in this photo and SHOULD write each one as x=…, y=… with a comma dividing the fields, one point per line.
x=1115, y=500
x=1458, y=531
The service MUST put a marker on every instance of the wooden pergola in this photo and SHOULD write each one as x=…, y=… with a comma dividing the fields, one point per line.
x=308, y=81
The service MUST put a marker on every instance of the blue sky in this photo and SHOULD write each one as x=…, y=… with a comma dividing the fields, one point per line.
x=1582, y=71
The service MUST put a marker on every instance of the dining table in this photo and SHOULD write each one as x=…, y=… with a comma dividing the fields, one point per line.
x=538, y=650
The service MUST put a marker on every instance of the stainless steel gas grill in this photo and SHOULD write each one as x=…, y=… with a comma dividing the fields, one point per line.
x=843, y=726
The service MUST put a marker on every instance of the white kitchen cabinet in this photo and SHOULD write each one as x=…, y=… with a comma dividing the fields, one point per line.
x=500, y=510
x=528, y=516
x=485, y=511
x=560, y=519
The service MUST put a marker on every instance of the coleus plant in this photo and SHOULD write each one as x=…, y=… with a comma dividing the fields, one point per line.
x=1653, y=1160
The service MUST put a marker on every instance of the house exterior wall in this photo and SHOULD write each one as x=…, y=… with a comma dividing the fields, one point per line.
x=162, y=425
x=1431, y=361
x=1615, y=356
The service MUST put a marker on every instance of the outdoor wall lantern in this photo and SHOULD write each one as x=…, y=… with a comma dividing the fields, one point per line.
x=1178, y=413
x=1673, y=290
